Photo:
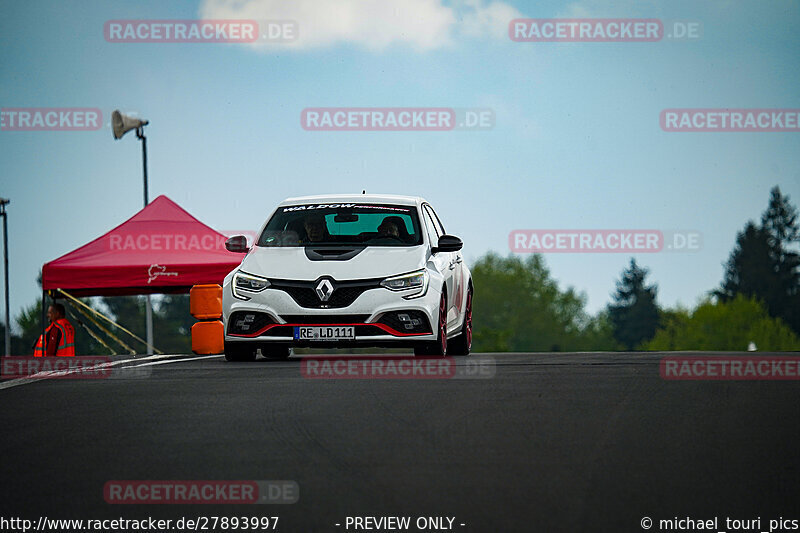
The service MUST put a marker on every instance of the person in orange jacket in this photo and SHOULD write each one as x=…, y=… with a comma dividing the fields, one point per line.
x=60, y=335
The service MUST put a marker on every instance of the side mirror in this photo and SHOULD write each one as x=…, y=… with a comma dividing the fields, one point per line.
x=448, y=243
x=237, y=243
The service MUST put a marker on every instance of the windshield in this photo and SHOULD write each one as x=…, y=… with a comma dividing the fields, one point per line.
x=342, y=225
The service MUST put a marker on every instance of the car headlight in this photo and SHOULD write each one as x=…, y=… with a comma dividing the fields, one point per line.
x=416, y=283
x=243, y=284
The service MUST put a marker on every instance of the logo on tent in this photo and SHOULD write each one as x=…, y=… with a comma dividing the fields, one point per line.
x=158, y=270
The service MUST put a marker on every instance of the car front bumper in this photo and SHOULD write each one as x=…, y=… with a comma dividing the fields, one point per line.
x=373, y=314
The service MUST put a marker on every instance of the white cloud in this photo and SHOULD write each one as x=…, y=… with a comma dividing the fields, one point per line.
x=373, y=24
x=576, y=11
x=487, y=20
x=606, y=9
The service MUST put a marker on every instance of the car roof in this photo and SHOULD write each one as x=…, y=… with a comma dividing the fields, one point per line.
x=355, y=199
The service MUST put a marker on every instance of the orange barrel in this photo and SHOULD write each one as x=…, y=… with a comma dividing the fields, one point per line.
x=205, y=302
x=208, y=337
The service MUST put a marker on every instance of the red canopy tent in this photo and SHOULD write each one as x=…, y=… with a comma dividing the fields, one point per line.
x=161, y=249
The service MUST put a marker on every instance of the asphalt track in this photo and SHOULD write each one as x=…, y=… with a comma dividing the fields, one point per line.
x=550, y=442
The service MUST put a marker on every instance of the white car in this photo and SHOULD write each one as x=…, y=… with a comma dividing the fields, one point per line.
x=345, y=271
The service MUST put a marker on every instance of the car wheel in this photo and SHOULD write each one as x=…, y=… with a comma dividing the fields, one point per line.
x=439, y=346
x=276, y=351
x=462, y=344
x=239, y=351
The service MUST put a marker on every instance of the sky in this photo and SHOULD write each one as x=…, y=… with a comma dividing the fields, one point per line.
x=575, y=144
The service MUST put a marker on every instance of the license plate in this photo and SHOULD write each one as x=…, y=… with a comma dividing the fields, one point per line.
x=324, y=333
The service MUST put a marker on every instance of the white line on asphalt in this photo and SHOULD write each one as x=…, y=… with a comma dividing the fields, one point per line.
x=174, y=361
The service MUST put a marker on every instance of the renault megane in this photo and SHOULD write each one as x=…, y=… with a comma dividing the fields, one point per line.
x=349, y=270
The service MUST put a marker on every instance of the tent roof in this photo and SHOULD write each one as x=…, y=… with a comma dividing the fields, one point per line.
x=161, y=249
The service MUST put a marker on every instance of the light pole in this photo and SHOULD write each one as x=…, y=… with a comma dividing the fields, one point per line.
x=3, y=203
x=121, y=124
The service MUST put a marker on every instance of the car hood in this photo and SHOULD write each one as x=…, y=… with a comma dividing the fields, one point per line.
x=371, y=262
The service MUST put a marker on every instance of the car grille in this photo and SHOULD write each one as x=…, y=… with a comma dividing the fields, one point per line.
x=305, y=294
x=251, y=324
x=325, y=319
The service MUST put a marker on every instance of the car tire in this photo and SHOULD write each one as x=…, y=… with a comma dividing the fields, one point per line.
x=276, y=351
x=240, y=351
x=439, y=346
x=462, y=343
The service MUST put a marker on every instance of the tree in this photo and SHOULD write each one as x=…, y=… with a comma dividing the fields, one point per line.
x=634, y=314
x=16, y=342
x=171, y=321
x=29, y=324
x=598, y=334
x=129, y=312
x=670, y=332
x=172, y=324
x=780, y=218
x=731, y=325
x=764, y=265
x=519, y=307
x=749, y=270
x=85, y=343
x=780, y=221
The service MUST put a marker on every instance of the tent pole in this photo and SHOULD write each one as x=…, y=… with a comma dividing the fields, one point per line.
x=149, y=313
x=44, y=319
x=148, y=303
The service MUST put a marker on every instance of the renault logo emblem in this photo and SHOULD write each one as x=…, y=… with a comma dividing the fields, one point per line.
x=324, y=290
